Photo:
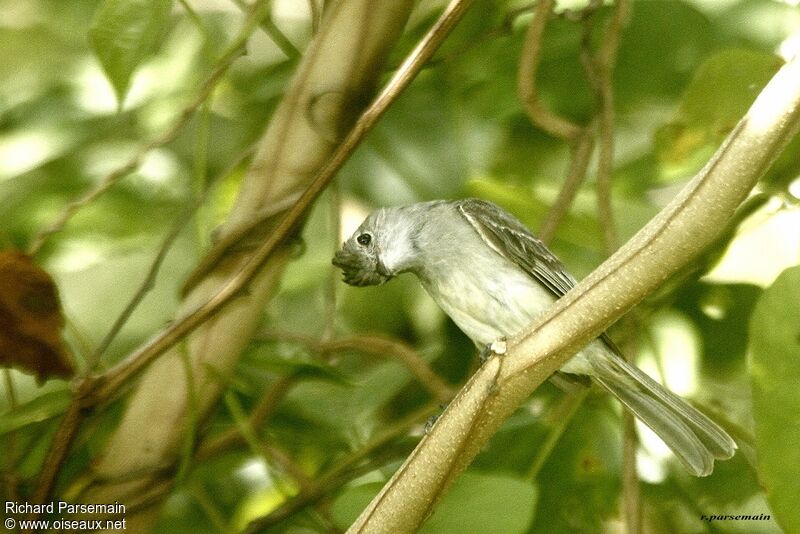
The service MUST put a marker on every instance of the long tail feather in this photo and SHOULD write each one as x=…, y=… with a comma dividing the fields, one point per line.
x=694, y=438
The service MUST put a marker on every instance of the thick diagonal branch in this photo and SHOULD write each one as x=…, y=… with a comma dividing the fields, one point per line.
x=681, y=231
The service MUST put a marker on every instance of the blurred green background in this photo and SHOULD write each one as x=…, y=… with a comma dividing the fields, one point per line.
x=686, y=72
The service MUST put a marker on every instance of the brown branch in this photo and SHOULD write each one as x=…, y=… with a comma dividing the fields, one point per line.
x=56, y=455
x=332, y=283
x=632, y=500
x=579, y=163
x=149, y=280
x=527, y=87
x=108, y=384
x=257, y=12
x=381, y=346
x=602, y=68
x=403, y=352
x=10, y=453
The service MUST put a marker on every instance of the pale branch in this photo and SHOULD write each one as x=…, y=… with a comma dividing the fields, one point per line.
x=601, y=75
x=681, y=231
x=109, y=383
x=234, y=50
x=149, y=280
x=530, y=58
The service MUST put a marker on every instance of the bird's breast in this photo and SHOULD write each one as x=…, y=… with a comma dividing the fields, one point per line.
x=489, y=300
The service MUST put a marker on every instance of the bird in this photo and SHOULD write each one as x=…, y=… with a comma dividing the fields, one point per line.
x=493, y=277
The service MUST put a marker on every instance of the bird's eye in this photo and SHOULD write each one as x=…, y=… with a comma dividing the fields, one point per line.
x=364, y=239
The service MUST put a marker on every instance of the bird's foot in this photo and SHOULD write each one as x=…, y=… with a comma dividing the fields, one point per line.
x=498, y=347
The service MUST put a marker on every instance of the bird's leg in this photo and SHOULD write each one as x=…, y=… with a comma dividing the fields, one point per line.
x=498, y=347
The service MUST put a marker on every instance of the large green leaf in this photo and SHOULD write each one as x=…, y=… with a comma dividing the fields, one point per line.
x=775, y=375
x=123, y=33
x=476, y=503
x=722, y=89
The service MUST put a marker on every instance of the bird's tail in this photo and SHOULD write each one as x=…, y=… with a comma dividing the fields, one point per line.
x=694, y=438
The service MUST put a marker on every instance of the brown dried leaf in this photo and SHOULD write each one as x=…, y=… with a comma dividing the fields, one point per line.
x=31, y=319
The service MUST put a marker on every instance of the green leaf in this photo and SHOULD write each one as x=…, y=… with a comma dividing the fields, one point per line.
x=476, y=503
x=485, y=503
x=123, y=33
x=722, y=89
x=725, y=85
x=37, y=410
x=775, y=374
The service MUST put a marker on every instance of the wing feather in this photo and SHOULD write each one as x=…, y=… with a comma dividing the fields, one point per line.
x=507, y=236
x=512, y=240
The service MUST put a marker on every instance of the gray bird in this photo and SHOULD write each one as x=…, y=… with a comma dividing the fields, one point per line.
x=488, y=272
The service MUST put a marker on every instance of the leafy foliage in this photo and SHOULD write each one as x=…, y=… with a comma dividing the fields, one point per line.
x=123, y=33
x=775, y=371
x=85, y=85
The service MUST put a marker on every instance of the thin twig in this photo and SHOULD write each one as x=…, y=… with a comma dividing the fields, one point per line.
x=262, y=412
x=149, y=280
x=580, y=138
x=215, y=516
x=195, y=18
x=527, y=87
x=403, y=352
x=108, y=384
x=236, y=48
x=579, y=163
x=269, y=454
x=71, y=422
x=337, y=476
x=603, y=69
x=630, y=475
x=506, y=27
x=560, y=417
x=631, y=492
x=57, y=454
x=274, y=33
x=11, y=438
x=332, y=283
x=381, y=346
x=600, y=69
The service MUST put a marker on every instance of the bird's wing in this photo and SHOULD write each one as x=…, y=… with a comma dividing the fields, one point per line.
x=512, y=240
